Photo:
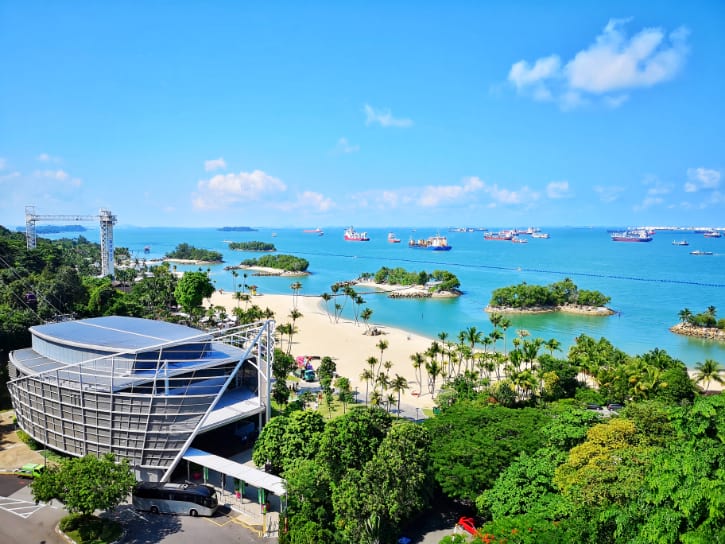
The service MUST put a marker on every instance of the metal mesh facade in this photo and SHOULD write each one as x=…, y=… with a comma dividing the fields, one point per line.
x=147, y=405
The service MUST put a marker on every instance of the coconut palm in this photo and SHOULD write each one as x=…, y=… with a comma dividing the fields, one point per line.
x=708, y=372
x=366, y=314
x=296, y=286
x=552, y=344
x=434, y=369
x=327, y=297
x=685, y=316
x=418, y=362
x=398, y=385
x=382, y=346
x=367, y=377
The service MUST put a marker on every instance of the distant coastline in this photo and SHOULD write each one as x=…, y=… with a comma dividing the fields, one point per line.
x=237, y=229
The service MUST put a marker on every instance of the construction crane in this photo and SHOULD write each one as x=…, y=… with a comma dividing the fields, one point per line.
x=107, y=220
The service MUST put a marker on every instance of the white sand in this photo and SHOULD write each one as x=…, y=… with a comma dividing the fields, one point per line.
x=344, y=341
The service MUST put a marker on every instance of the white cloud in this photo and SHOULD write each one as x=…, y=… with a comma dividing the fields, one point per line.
x=215, y=164
x=701, y=178
x=343, y=146
x=434, y=195
x=648, y=202
x=45, y=157
x=501, y=195
x=9, y=176
x=59, y=175
x=309, y=202
x=558, y=189
x=384, y=118
x=612, y=64
x=608, y=194
x=224, y=190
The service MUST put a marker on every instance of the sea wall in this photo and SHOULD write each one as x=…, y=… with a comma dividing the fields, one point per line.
x=568, y=308
x=708, y=333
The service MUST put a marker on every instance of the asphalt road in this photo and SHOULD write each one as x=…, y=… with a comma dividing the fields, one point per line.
x=24, y=522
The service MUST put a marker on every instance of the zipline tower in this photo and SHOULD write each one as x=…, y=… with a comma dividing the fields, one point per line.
x=107, y=220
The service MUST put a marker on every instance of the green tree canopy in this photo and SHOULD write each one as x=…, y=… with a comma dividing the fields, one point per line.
x=192, y=289
x=86, y=484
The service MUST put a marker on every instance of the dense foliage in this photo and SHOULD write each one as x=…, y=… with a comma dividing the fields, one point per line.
x=562, y=293
x=187, y=252
x=707, y=319
x=288, y=263
x=192, y=289
x=252, y=246
x=440, y=280
x=86, y=484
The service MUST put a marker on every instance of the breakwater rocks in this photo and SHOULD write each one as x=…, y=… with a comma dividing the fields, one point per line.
x=708, y=333
x=568, y=308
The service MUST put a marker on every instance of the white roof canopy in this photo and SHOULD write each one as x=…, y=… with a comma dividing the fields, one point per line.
x=252, y=476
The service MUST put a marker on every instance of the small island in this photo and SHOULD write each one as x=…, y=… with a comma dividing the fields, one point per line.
x=562, y=296
x=252, y=246
x=703, y=325
x=184, y=253
x=237, y=229
x=400, y=283
x=275, y=265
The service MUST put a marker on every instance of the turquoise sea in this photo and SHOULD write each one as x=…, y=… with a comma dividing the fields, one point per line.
x=649, y=283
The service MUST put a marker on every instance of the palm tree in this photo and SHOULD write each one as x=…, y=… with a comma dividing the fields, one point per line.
x=382, y=346
x=366, y=314
x=434, y=370
x=685, y=315
x=296, y=286
x=398, y=385
x=295, y=314
x=709, y=371
x=495, y=336
x=235, y=275
x=505, y=324
x=553, y=345
x=327, y=297
x=418, y=362
x=367, y=376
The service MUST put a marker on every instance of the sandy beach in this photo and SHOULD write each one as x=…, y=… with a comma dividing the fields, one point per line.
x=347, y=344
x=344, y=341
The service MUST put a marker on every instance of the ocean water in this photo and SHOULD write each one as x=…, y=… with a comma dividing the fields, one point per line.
x=649, y=283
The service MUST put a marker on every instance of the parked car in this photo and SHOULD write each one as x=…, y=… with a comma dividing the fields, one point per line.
x=592, y=406
x=309, y=376
x=615, y=406
x=30, y=470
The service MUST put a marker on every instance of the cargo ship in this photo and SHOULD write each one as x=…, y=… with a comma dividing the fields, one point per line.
x=351, y=235
x=631, y=236
x=434, y=243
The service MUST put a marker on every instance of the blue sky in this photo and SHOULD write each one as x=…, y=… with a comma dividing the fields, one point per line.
x=499, y=113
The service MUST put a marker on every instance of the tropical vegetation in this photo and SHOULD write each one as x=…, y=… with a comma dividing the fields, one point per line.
x=288, y=263
x=438, y=280
x=252, y=246
x=185, y=252
x=707, y=319
x=558, y=294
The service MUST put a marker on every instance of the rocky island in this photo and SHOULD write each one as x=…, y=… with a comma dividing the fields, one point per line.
x=400, y=283
x=562, y=296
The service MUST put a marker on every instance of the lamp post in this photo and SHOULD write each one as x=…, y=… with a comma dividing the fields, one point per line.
x=416, y=414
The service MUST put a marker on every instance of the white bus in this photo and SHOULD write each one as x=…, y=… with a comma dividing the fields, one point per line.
x=191, y=499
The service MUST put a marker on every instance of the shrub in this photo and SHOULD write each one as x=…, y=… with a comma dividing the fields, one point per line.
x=28, y=440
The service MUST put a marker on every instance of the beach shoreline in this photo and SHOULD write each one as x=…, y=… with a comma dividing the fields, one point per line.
x=348, y=343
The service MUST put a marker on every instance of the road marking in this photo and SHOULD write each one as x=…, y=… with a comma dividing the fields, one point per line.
x=23, y=509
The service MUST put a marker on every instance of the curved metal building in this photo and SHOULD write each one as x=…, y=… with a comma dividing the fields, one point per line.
x=138, y=388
